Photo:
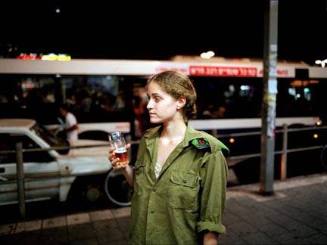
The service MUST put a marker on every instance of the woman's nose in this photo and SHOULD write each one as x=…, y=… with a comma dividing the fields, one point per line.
x=149, y=105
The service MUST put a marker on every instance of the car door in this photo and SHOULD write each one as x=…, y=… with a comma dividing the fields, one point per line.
x=42, y=176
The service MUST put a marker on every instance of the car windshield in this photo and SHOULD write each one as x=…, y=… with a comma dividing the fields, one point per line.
x=49, y=137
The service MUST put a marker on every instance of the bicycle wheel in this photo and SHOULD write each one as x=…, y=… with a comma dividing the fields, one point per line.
x=117, y=189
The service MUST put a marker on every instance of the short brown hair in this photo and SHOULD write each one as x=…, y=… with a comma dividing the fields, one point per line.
x=177, y=85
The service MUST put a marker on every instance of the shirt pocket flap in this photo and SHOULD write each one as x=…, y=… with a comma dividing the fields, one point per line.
x=184, y=179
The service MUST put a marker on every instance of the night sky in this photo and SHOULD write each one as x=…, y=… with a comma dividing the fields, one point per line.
x=161, y=29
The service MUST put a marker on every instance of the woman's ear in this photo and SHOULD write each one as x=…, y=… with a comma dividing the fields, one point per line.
x=181, y=101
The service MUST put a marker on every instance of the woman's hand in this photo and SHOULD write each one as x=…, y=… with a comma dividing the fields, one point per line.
x=115, y=161
x=210, y=238
x=116, y=164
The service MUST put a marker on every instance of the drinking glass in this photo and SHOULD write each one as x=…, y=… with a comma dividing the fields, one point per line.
x=117, y=141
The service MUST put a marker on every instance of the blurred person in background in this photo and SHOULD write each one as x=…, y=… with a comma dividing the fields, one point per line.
x=70, y=127
x=180, y=174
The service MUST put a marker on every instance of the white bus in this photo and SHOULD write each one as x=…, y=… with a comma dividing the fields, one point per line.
x=108, y=95
x=100, y=86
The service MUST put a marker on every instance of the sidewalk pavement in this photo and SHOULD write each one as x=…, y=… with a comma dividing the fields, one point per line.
x=295, y=214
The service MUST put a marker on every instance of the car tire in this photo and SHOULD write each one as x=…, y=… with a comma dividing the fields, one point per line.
x=86, y=190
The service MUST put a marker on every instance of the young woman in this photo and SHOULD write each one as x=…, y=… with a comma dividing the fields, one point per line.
x=179, y=178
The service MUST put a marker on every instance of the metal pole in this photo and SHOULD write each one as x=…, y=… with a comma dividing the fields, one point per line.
x=283, y=162
x=20, y=178
x=269, y=97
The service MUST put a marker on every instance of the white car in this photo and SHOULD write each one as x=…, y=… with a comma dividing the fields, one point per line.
x=49, y=174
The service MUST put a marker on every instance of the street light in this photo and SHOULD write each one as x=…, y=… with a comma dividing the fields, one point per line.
x=207, y=55
x=321, y=62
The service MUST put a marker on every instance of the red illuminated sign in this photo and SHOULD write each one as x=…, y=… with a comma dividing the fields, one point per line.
x=31, y=56
x=223, y=71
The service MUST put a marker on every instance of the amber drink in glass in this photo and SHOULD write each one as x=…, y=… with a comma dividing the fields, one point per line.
x=117, y=141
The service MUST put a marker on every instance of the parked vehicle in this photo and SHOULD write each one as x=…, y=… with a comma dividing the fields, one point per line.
x=49, y=174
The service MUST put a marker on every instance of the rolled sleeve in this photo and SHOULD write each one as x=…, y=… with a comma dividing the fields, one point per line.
x=212, y=202
x=210, y=226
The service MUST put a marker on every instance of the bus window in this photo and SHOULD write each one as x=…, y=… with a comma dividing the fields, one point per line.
x=298, y=98
x=228, y=97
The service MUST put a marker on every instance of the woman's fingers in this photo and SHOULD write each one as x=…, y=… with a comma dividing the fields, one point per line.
x=115, y=163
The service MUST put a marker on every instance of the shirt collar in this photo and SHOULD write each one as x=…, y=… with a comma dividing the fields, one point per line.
x=190, y=134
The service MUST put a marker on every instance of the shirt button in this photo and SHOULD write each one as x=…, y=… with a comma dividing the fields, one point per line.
x=184, y=180
x=152, y=211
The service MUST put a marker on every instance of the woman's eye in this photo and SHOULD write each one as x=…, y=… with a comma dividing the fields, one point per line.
x=156, y=99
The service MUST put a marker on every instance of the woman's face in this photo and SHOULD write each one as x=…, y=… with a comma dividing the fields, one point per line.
x=162, y=106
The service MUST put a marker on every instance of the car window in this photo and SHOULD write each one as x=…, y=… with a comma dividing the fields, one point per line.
x=50, y=138
x=9, y=143
x=47, y=136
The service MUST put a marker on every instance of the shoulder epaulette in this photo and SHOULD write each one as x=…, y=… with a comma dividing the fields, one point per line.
x=200, y=143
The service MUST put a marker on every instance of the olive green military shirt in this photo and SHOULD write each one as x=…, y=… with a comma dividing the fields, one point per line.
x=187, y=198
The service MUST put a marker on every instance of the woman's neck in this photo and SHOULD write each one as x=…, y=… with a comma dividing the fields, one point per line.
x=173, y=130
